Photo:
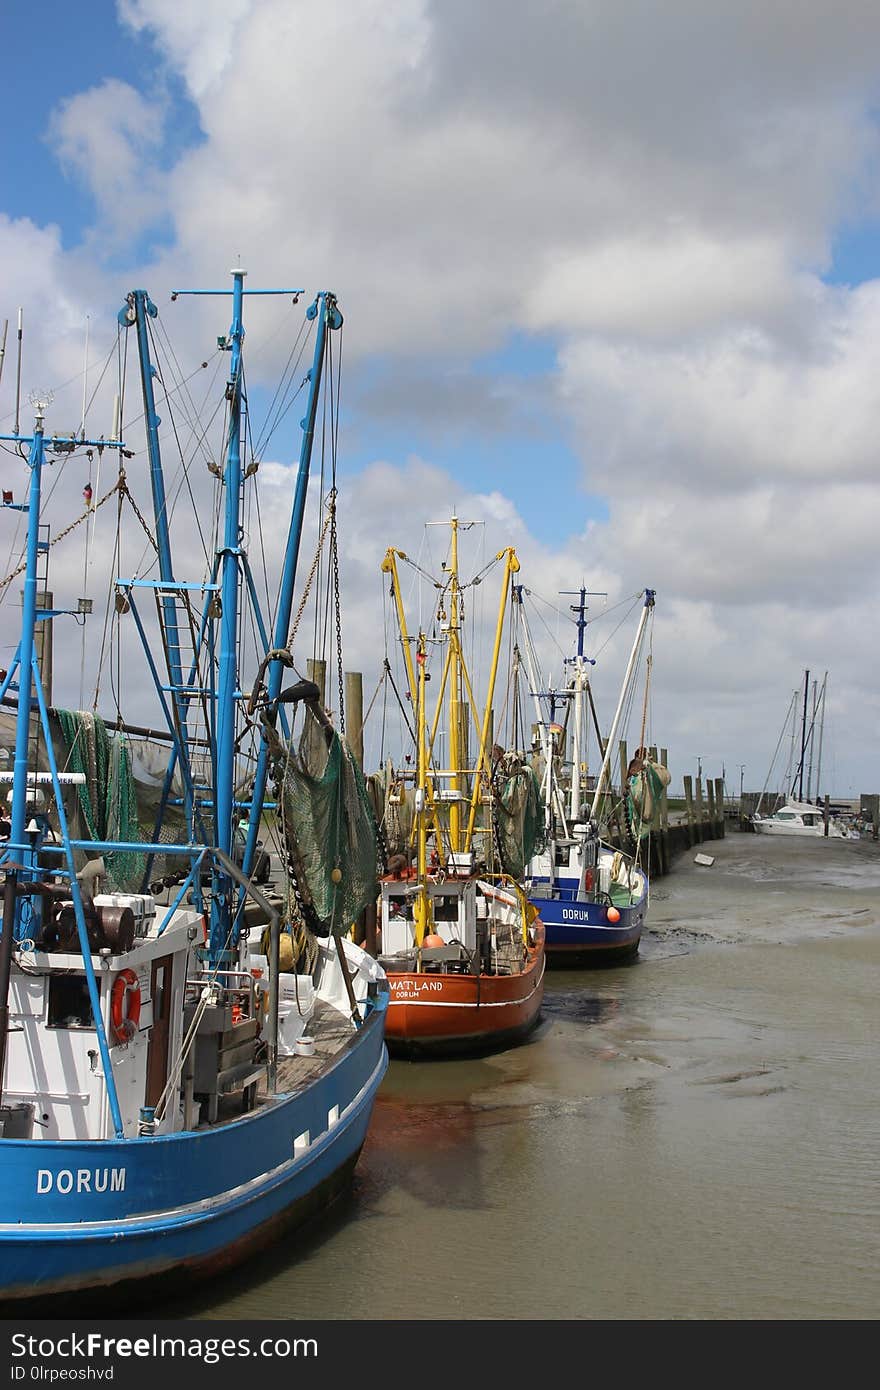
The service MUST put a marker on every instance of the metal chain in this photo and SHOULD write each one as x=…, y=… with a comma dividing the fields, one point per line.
x=305, y=597
x=67, y=530
x=334, y=552
x=125, y=492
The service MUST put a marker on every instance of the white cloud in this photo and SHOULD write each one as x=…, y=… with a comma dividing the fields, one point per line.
x=108, y=137
x=655, y=189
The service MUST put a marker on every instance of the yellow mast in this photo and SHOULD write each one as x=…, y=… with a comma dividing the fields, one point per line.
x=454, y=694
x=422, y=914
x=482, y=764
x=389, y=566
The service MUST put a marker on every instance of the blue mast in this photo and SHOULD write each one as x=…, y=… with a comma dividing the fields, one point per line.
x=137, y=308
x=224, y=793
x=327, y=313
x=24, y=839
x=224, y=928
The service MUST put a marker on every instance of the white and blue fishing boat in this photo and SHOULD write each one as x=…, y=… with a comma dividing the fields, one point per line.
x=592, y=896
x=173, y=1098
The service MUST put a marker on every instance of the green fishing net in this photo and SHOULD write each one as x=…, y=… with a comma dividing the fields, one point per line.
x=643, y=792
x=107, y=798
x=328, y=825
x=519, y=817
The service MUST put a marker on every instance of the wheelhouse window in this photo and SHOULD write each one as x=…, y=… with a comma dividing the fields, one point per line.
x=69, y=1003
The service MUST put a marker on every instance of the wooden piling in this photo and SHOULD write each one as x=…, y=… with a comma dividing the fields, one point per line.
x=354, y=715
x=689, y=798
x=316, y=670
x=719, y=805
x=700, y=813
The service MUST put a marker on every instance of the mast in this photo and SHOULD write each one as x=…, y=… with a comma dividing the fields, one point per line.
x=232, y=565
x=803, y=736
x=603, y=771
x=137, y=309
x=821, y=733
x=580, y=609
x=229, y=574
x=812, y=738
x=20, y=855
x=326, y=311
x=454, y=695
x=511, y=567
x=422, y=904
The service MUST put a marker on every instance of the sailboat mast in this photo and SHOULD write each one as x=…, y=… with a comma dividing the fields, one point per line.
x=812, y=737
x=803, y=737
x=821, y=706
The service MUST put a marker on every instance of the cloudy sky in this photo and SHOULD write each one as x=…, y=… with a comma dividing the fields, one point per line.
x=611, y=279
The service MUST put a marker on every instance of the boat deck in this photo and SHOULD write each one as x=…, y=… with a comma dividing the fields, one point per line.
x=331, y=1030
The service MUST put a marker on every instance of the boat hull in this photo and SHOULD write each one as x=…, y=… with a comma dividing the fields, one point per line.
x=812, y=832
x=82, y=1215
x=579, y=934
x=436, y=1014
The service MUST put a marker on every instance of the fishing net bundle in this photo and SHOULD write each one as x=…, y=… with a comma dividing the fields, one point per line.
x=328, y=827
x=518, y=813
x=644, y=790
x=107, y=798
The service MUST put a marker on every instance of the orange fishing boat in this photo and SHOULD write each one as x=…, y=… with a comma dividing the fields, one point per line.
x=462, y=946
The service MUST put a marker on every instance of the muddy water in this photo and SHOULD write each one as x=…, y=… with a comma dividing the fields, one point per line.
x=694, y=1136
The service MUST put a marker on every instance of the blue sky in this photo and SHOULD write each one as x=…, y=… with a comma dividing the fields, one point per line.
x=588, y=284
x=79, y=46
x=71, y=47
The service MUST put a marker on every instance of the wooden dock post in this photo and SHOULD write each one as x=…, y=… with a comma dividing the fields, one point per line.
x=316, y=670
x=619, y=815
x=689, y=798
x=719, y=805
x=354, y=715
x=664, y=817
x=700, y=813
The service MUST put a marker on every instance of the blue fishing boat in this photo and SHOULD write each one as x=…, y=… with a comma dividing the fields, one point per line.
x=189, y=1058
x=591, y=895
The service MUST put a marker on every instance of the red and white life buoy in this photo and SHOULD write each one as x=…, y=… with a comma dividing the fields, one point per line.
x=125, y=1006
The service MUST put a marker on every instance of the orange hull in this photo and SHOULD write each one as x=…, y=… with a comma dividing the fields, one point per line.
x=430, y=1012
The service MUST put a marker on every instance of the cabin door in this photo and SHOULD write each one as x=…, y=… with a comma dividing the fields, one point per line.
x=157, y=1051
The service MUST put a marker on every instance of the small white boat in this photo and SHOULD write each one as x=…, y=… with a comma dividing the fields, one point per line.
x=801, y=818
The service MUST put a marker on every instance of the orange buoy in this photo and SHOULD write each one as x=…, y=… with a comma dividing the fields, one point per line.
x=433, y=940
x=613, y=915
x=125, y=1006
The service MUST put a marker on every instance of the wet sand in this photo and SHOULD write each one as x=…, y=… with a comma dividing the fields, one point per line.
x=693, y=1136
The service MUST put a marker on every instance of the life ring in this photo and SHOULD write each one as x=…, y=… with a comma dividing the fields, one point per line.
x=125, y=1006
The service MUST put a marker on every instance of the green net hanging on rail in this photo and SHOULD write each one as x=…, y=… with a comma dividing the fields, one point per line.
x=644, y=790
x=107, y=798
x=329, y=828
x=519, y=815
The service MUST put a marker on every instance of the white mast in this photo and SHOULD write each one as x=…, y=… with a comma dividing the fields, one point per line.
x=603, y=771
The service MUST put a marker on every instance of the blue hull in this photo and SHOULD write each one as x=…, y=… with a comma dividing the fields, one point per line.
x=82, y=1215
x=579, y=934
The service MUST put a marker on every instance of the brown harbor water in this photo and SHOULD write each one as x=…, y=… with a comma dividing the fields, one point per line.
x=694, y=1136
